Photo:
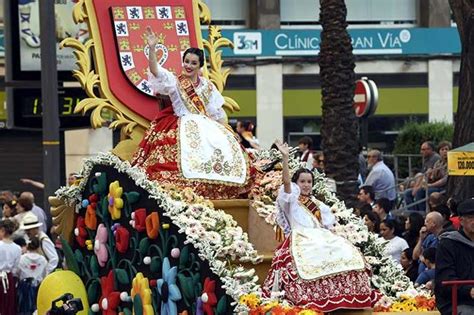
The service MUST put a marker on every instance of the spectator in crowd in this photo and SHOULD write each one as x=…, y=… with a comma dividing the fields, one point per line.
x=305, y=144
x=413, y=224
x=428, y=236
x=455, y=261
x=410, y=266
x=362, y=164
x=10, y=254
x=33, y=183
x=245, y=131
x=453, y=207
x=31, y=226
x=366, y=195
x=372, y=221
x=429, y=259
x=32, y=270
x=38, y=211
x=382, y=208
x=396, y=244
x=446, y=214
x=436, y=199
x=5, y=196
x=361, y=209
x=430, y=157
x=9, y=209
x=380, y=177
x=318, y=161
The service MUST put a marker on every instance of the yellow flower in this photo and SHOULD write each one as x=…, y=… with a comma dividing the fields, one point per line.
x=115, y=200
x=141, y=287
x=270, y=305
x=307, y=312
x=251, y=300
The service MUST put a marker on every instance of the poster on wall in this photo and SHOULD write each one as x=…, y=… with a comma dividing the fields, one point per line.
x=30, y=36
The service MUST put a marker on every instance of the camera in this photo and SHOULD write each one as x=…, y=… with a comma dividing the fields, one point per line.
x=70, y=305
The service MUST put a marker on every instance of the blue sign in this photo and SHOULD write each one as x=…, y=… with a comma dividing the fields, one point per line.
x=381, y=41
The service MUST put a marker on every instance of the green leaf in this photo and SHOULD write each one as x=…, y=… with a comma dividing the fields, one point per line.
x=186, y=287
x=137, y=305
x=93, y=292
x=155, y=265
x=70, y=258
x=222, y=305
x=78, y=256
x=122, y=276
x=126, y=311
x=183, y=257
x=143, y=246
x=132, y=197
x=94, y=264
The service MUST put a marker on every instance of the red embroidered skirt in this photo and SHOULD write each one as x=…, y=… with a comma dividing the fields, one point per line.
x=158, y=155
x=8, y=296
x=349, y=290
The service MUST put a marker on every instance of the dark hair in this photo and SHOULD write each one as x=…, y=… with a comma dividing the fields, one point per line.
x=416, y=223
x=409, y=252
x=195, y=51
x=34, y=243
x=25, y=203
x=430, y=254
x=365, y=207
x=374, y=218
x=443, y=144
x=392, y=225
x=430, y=144
x=368, y=190
x=20, y=241
x=247, y=125
x=384, y=203
x=12, y=205
x=452, y=204
x=8, y=226
x=306, y=140
x=297, y=174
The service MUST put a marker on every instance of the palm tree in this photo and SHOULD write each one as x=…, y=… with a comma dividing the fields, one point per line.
x=463, y=186
x=339, y=124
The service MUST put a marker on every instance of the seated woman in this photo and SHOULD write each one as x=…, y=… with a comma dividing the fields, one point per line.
x=314, y=267
x=189, y=143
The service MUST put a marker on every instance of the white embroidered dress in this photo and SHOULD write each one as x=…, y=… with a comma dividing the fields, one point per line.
x=317, y=252
x=207, y=150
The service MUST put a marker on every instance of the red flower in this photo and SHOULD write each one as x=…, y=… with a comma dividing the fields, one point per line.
x=110, y=299
x=80, y=232
x=208, y=296
x=122, y=237
x=139, y=219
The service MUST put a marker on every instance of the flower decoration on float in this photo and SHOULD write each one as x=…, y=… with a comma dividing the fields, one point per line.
x=115, y=200
x=141, y=295
x=167, y=288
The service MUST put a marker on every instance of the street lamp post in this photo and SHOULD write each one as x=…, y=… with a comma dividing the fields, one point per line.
x=49, y=93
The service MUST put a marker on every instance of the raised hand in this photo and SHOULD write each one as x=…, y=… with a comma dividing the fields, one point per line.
x=151, y=38
x=283, y=148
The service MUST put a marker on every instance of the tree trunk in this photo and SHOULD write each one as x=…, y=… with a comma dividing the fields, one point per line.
x=462, y=187
x=339, y=124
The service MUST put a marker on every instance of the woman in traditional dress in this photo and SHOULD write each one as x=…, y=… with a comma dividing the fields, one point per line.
x=189, y=144
x=314, y=267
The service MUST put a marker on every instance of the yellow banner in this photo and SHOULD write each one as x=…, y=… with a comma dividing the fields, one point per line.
x=461, y=163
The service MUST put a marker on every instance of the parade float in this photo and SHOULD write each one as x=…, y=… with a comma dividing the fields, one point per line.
x=141, y=247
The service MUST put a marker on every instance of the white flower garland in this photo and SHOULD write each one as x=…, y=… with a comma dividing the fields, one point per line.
x=387, y=276
x=215, y=234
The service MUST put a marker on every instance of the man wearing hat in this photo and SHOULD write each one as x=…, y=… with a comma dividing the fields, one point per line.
x=455, y=261
x=31, y=226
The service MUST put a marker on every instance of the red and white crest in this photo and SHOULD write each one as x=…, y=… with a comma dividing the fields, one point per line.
x=170, y=24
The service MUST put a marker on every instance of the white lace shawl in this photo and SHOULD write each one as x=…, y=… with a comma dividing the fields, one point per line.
x=166, y=84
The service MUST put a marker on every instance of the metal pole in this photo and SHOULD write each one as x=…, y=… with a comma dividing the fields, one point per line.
x=49, y=94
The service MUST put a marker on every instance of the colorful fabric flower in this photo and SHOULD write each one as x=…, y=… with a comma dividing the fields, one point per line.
x=168, y=289
x=122, y=238
x=80, y=232
x=100, y=247
x=138, y=221
x=110, y=299
x=115, y=200
x=152, y=225
x=208, y=296
x=91, y=217
x=141, y=290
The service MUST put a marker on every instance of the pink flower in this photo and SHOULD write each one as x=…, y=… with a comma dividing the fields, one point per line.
x=100, y=247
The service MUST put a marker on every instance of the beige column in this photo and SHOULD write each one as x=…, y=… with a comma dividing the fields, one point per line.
x=85, y=143
x=440, y=86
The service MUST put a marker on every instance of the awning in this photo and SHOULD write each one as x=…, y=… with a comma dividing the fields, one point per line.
x=461, y=161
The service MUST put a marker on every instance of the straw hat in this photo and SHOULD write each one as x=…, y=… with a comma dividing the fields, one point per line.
x=30, y=221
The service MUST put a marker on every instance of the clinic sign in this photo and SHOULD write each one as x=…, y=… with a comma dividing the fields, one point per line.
x=381, y=41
